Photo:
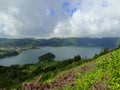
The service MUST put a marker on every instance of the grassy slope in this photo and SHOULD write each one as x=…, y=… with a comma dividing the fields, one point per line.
x=100, y=74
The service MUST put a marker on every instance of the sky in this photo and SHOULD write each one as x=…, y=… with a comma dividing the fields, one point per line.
x=59, y=18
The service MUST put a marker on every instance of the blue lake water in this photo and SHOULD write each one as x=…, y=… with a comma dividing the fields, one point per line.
x=61, y=53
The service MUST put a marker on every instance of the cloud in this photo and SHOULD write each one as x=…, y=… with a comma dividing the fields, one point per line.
x=87, y=24
x=59, y=18
x=50, y=12
x=9, y=24
x=28, y=18
x=94, y=21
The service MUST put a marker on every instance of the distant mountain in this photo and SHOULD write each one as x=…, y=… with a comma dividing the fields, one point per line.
x=97, y=42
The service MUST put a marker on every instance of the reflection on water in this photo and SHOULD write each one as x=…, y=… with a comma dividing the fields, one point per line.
x=61, y=53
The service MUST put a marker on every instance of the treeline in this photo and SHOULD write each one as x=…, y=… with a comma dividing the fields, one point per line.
x=55, y=68
x=105, y=51
x=14, y=75
x=100, y=42
x=8, y=53
x=59, y=65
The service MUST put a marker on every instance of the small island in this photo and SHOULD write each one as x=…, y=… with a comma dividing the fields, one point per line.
x=47, y=57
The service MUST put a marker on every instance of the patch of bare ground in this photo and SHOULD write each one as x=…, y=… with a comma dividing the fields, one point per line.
x=100, y=86
x=87, y=67
x=63, y=79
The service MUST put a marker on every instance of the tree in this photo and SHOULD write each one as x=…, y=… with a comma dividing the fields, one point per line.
x=104, y=51
x=119, y=46
x=48, y=56
x=77, y=58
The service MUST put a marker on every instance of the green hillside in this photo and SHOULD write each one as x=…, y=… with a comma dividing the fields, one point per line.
x=99, y=73
x=93, y=42
x=102, y=73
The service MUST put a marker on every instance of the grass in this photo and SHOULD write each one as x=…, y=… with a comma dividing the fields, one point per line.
x=105, y=74
x=102, y=72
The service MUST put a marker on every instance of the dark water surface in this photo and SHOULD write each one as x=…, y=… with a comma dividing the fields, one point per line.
x=61, y=53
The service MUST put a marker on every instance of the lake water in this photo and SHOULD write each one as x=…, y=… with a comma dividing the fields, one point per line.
x=61, y=53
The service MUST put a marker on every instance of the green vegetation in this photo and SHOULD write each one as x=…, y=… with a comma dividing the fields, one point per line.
x=48, y=56
x=118, y=42
x=8, y=53
x=102, y=72
x=94, y=42
x=104, y=51
x=15, y=75
x=103, y=75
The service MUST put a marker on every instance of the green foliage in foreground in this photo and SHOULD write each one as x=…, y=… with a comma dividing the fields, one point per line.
x=105, y=74
x=13, y=76
x=105, y=71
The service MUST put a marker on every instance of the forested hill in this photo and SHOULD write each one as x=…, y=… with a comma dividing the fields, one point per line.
x=100, y=42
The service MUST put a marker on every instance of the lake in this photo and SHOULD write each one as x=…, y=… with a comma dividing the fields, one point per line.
x=61, y=53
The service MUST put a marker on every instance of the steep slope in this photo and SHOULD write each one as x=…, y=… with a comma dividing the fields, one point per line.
x=102, y=73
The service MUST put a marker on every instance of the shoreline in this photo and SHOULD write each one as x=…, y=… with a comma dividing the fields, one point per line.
x=13, y=51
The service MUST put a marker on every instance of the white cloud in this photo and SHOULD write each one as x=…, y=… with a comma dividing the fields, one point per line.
x=88, y=24
x=93, y=18
x=9, y=25
x=40, y=18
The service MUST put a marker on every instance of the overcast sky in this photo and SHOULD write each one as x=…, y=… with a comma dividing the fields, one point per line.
x=59, y=18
